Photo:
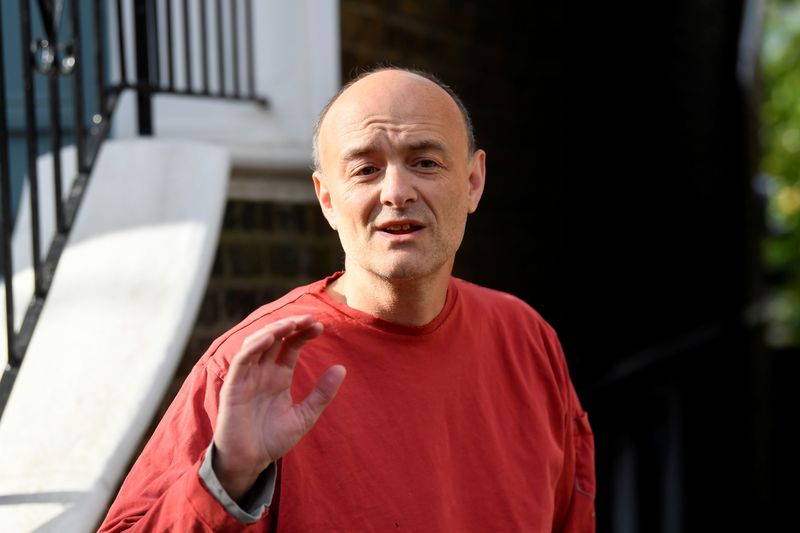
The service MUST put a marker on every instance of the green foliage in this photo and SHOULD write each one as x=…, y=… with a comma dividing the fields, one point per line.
x=780, y=141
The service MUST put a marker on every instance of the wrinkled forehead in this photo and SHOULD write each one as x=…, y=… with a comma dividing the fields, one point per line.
x=394, y=102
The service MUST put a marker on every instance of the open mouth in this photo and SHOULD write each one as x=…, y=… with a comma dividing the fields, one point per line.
x=401, y=229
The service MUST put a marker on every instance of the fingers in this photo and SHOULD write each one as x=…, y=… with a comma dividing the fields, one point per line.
x=324, y=391
x=279, y=328
x=291, y=345
x=263, y=341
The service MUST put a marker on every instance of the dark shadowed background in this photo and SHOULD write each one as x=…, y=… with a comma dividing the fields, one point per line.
x=618, y=204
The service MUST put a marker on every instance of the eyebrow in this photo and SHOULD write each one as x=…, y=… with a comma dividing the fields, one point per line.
x=359, y=151
x=426, y=144
x=416, y=146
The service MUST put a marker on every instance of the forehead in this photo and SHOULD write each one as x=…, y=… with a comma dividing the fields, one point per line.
x=397, y=106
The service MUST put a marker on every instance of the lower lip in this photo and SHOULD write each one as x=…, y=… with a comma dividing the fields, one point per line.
x=401, y=237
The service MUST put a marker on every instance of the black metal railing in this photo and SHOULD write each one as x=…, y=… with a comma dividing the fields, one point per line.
x=151, y=25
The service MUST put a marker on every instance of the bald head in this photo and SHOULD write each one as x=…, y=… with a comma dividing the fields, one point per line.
x=411, y=84
x=397, y=178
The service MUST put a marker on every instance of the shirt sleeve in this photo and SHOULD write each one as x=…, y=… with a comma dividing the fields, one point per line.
x=575, y=494
x=165, y=489
x=256, y=501
x=579, y=514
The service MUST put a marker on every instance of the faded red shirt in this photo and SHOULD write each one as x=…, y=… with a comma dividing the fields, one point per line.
x=469, y=423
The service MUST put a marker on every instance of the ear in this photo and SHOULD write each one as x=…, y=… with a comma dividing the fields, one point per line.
x=324, y=198
x=477, y=179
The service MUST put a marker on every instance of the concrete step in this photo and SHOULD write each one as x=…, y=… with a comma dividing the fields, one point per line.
x=113, y=328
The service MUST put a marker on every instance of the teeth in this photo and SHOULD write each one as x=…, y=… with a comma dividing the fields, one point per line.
x=404, y=227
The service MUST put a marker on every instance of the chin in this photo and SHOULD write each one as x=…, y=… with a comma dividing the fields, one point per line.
x=406, y=271
x=408, y=274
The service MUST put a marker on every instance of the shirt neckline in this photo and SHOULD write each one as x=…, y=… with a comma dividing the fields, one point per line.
x=385, y=325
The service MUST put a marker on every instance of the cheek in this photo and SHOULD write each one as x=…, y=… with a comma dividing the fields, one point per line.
x=453, y=208
x=359, y=206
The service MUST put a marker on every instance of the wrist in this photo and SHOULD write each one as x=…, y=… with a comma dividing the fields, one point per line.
x=237, y=482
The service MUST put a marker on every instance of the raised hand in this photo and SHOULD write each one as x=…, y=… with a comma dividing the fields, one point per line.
x=258, y=422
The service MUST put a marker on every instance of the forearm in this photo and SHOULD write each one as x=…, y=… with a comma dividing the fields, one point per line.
x=164, y=490
x=186, y=505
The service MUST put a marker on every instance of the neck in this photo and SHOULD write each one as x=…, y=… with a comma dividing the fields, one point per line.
x=413, y=302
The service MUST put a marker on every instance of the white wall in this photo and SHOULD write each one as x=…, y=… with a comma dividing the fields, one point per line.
x=297, y=69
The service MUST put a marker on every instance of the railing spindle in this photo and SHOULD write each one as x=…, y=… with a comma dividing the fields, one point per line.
x=155, y=48
x=220, y=49
x=204, y=44
x=187, y=45
x=170, y=48
x=123, y=65
x=249, y=44
x=235, y=47
x=54, y=96
x=143, y=55
x=77, y=89
x=99, y=68
x=31, y=145
x=5, y=218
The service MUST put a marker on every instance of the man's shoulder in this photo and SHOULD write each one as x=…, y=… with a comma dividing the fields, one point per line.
x=487, y=298
x=496, y=306
x=299, y=301
x=504, y=316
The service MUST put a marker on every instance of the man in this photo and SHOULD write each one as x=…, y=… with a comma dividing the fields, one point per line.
x=457, y=413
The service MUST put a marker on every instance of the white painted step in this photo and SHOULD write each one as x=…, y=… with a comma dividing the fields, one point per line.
x=113, y=328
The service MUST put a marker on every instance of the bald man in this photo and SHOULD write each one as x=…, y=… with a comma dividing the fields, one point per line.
x=457, y=413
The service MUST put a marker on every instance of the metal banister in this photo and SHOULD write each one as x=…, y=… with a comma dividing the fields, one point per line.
x=47, y=57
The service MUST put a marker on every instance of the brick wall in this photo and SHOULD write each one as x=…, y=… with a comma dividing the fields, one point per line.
x=265, y=249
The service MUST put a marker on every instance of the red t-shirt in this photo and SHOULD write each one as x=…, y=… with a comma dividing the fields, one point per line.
x=469, y=423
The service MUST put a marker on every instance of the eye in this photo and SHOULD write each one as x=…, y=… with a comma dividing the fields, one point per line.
x=366, y=171
x=427, y=163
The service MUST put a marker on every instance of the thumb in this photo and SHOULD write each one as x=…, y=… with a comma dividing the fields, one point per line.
x=324, y=391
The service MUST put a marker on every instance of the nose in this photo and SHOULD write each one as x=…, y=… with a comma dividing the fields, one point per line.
x=397, y=187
